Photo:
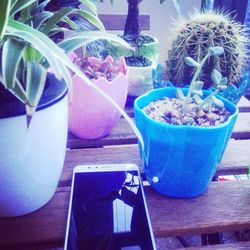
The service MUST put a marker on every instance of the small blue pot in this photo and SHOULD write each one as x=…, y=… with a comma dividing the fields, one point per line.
x=180, y=161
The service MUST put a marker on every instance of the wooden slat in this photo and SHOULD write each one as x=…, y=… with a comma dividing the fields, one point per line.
x=223, y=207
x=43, y=227
x=242, y=127
x=123, y=134
x=235, y=160
x=117, y=21
x=244, y=105
x=231, y=246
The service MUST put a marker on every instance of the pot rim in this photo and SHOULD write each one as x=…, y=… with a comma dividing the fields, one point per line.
x=138, y=108
x=58, y=87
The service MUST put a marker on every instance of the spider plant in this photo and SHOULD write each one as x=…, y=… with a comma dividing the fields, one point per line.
x=27, y=51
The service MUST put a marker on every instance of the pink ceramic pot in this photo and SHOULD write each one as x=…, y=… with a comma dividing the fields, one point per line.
x=91, y=116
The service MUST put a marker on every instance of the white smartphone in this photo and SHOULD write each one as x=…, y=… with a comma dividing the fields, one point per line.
x=107, y=209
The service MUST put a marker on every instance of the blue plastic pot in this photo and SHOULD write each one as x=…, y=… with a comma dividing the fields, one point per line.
x=180, y=161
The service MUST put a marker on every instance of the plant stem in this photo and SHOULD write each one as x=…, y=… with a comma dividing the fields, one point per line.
x=132, y=23
x=207, y=99
x=197, y=72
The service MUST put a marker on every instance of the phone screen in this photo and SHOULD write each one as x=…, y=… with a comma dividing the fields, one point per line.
x=108, y=212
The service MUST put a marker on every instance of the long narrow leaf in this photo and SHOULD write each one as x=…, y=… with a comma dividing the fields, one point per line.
x=71, y=45
x=20, y=5
x=35, y=82
x=11, y=55
x=68, y=79
x=31, y=54
x=13, y=2
x=59, y=15
x=70, y=23
x=91, y=18
x=5, y=9
x=40, y=7
x=18, y=29
x=82, y=38
x=33, y=36
x=41, y=18
x=90, y=5
x=19, y=92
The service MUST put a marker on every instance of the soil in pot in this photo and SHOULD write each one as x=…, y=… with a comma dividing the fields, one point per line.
x=138, y=41
x=54, y=91
x=137, y=61
x=170, y=110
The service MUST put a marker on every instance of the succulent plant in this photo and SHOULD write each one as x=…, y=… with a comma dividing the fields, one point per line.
x=195, y=36
x=195, y=88
x=192, y=108
x=95, y=68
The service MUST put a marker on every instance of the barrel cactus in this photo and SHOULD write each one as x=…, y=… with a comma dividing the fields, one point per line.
x=193, y=38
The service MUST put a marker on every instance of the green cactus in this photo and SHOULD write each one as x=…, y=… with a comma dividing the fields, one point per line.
x=195, y=36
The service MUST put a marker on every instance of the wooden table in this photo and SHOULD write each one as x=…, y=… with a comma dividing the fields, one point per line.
x=225, y=206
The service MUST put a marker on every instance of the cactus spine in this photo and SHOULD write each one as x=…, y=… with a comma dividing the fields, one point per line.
x=193, y=37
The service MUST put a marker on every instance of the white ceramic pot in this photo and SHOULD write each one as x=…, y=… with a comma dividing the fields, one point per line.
x=140, y=80
x=31, y=160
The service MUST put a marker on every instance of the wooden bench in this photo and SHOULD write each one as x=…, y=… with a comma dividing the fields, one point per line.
x=225, y=206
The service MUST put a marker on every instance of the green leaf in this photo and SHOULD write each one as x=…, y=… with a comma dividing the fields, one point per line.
x=91, y=18
x=197, y=92
x=197, y=99
x=19, y=92
x=39, y=41
x=35, y=82
x=41, y=18
x=90, y=5
x=59, y=15
x=216, y=76
x=70, y=23
x=191, y=62
x=224, y=81
x=198, y=85
x=45, y=45
x=217, y=102
x=215, y=51
x=5, y=9
x=11, y=55
x=72, y=44
x=83, y=38
x=39, y=8
x=20, y=5
x=179, y=94
x=31, y=54
x=221, y=87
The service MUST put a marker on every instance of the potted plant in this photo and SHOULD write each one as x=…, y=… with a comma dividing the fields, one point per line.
x=93, y=117
x=31, y=74
x=185, y=137
x=143, y=58
x=193, y=37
